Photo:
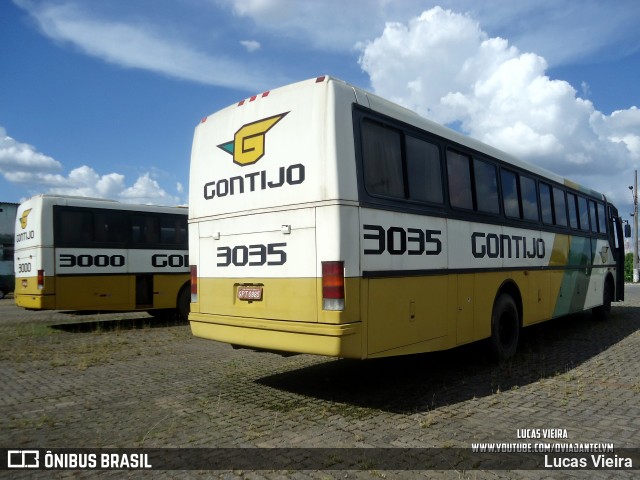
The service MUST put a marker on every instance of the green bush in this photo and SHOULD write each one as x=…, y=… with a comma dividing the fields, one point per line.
x=628, y=267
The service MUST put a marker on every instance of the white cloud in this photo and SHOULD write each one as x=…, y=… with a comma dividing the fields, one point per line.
x=443, y=65
x=142, y=46
x=251, y=45
x=147, y=190
x=584, y=28
x=22, y=164
x=16, y=156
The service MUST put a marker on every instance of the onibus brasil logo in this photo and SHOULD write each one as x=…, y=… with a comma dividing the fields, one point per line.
x=247, y=146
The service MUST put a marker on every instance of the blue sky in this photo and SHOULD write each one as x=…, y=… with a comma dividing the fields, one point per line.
x=101, y=98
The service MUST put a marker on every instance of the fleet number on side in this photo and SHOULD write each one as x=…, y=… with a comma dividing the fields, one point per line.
x=158, y=260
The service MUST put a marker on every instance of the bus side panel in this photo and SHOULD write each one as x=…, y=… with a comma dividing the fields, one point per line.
x=95, y=292
x=576, y=277
x=407, y=298
x=406, y=311
x=166, y=289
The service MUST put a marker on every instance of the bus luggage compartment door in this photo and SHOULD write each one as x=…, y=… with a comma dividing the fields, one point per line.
x=144, y=291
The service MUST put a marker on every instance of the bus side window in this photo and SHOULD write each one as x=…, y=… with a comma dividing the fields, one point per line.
x=510, y=194
x=110, y=227
x=145, y=229
x=593, y=216
x=423, y=170
x=382, y=158
x=170, y=230
x=583, y=213
x=73, y=227
x=573, y=210
x=529, y=198
x=545, y=203
x=560, y=207
x=486, y=185
x=459, y=175
x=602, y=220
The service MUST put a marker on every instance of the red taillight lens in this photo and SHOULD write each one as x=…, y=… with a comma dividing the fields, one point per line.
x=194, y=283
x=40, y=279
x=333, y=285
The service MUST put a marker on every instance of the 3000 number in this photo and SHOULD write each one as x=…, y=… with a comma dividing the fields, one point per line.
x=68, y=260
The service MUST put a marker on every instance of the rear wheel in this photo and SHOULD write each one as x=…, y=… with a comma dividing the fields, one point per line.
x=505, y=327
x=603, y=312
x=184, y=303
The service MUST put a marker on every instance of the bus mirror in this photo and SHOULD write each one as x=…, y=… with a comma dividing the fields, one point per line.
x=627, y=231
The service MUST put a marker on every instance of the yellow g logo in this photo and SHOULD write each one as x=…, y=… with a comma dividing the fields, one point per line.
x=23, y=218
x=247, y=146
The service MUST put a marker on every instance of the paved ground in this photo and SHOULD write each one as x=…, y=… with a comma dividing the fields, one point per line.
x=125, y=380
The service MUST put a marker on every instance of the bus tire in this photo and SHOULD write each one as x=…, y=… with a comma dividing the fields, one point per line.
x=505, y=327
x=184, y=303
x=603, y=312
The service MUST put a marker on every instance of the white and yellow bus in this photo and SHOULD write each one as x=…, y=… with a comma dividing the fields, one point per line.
x=326, y=220
x=77, y=253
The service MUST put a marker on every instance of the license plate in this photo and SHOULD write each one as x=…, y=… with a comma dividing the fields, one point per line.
x=250, y=293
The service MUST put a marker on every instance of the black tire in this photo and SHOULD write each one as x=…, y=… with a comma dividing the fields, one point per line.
x=184, y=303
x=505, y=327
x=161, y=313
x=603, y=312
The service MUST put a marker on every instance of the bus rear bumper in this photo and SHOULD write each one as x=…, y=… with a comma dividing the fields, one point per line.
x=343, y=340
x=35, y=302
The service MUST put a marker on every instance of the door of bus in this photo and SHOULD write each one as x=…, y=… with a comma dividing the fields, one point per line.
x=616, y=239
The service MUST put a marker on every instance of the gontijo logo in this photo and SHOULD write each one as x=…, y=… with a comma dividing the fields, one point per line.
x=23, y=218
x=247, y=146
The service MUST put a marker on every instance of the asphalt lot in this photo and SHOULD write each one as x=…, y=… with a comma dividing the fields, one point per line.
x=73, y=379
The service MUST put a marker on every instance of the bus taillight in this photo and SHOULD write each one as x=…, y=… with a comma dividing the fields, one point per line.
x=194, y=283
x=40, y=279
x=333, y=285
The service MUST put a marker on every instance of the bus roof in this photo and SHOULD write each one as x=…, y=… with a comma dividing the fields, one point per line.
x=79, y=201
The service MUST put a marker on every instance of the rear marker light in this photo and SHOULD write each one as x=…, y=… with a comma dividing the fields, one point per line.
x=333, y=285
x=253, y=98
x=193, y=271
x=320, y=79
x=40, y=279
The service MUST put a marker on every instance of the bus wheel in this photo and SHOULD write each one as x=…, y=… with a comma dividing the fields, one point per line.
x=505, y=327
x=603, y=312
x=184, y=303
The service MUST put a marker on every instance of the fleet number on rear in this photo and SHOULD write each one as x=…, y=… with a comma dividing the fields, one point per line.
x=252, y=255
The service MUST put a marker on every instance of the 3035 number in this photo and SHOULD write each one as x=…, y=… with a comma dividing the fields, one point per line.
x=252, y=255
x=401, y=241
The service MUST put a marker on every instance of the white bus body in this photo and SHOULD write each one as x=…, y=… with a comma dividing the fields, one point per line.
x=89, y=254
x=292, y=250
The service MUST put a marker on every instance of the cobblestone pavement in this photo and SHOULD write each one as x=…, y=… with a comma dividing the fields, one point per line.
x=73, y=380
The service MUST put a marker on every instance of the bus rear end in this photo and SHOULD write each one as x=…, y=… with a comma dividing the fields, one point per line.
x=270, y=204
x=33, y=256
